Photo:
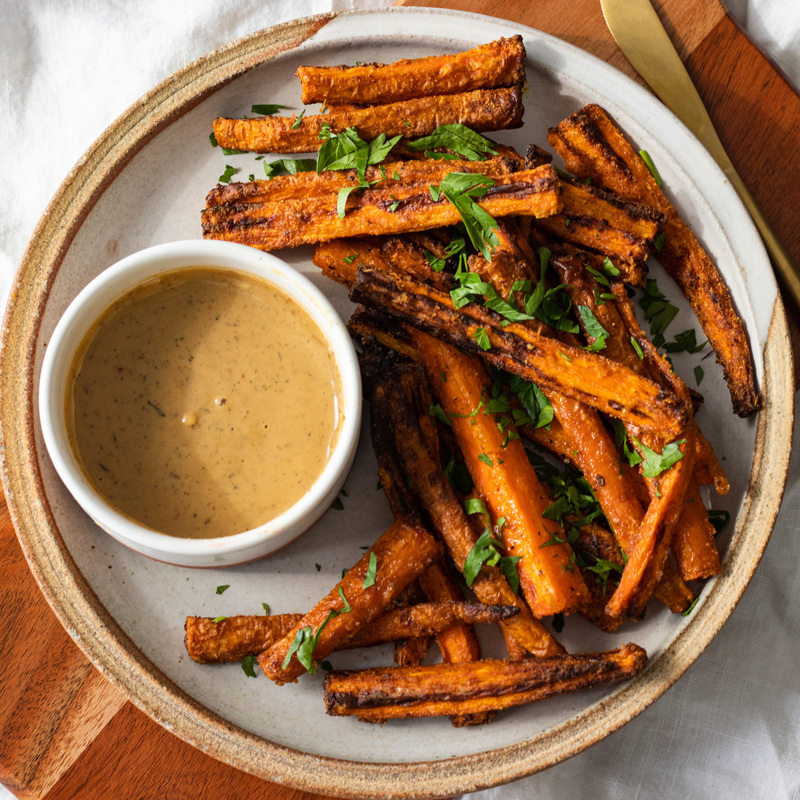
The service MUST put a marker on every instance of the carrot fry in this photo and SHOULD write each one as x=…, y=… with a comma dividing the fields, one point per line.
x=210, y=641
x=505, y=477
x=458, y=642
x=450, y=521
x=671, y=590
x=693, y=541
x=372, y=211
x=303, y=185
x=410, y=651
x=645, y=564
x=500, y=63
x=376, y=695
x=598, y=551
x=481, y=110
x=233, y=638
x=588, y=377
x=400, y=555
x=620, y=229
x=339, y=259
x=593, y=146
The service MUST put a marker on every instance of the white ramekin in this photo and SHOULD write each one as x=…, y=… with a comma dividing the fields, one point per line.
x=84, y=311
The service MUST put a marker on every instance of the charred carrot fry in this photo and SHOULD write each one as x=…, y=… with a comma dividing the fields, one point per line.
x=410, y=651
x=376, y=695
x=303, y=185
x=593, y=146
x=340, y=259
x=458, y=642
x=588, y=377
x=600, y=221
x=374, y=210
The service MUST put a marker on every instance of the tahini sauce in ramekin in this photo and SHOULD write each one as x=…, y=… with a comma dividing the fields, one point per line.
x=204, y=403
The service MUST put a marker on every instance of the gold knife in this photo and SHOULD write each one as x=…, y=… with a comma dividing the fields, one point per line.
x=640, y=35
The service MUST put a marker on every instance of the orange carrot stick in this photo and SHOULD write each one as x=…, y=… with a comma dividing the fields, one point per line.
x=503, y=475
x=693, y=543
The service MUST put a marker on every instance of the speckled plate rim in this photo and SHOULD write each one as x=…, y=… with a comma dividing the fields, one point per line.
x=117, y=657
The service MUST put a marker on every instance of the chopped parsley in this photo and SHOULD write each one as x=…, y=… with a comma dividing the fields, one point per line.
x=289, y=166
x=481, y=337
x=458, y=476
x=436, y=264
x=655, y=463
x=685, y=342
x=222, y=588
x=458, y=138
x=485, y=552
x=372, y=571
x=305, y=642
x=650, y=166
x=690, y=609
x=228, y=174
x=347, y=150
x=439, y=413
x=603, y=570
x=593, y=328
x=572, y=497
x=299, y=119
x=267, y=109
x=247, y=666
x=658, y=311
x=347, y=608
x=621, y=441
x=537, y=409
x=546, y=305
x=461, y=189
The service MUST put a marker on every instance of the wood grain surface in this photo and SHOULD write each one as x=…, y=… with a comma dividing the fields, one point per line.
x=65, y=732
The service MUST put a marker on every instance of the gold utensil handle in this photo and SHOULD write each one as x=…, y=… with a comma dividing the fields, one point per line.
x=638, y=31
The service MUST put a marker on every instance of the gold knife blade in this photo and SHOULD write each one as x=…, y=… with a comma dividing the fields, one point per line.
x=640, y=35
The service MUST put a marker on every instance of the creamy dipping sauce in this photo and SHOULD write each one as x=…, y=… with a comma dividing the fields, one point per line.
x=204, y=403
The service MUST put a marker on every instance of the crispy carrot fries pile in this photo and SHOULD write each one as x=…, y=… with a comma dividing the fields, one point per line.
x=494, y=318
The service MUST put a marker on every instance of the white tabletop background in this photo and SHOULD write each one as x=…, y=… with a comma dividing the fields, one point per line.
x=730, y=728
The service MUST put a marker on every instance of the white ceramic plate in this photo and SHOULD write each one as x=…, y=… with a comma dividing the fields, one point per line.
x=144, y=182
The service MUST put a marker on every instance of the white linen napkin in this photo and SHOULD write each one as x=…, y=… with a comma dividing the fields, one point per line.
x=730, y=728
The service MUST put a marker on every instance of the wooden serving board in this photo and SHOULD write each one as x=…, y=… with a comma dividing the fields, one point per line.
x=65, y=732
